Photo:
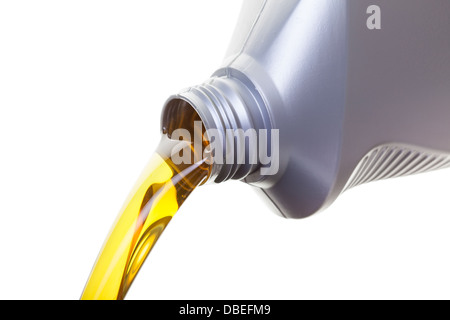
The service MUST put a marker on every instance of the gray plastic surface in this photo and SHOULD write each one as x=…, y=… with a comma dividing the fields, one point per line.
x=339, y=93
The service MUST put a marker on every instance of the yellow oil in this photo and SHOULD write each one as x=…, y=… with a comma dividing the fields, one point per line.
x=157, y=196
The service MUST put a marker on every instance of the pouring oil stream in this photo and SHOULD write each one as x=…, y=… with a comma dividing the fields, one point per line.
x=161, y=190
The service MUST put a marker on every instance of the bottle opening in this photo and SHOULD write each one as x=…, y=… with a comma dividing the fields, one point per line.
x=185, y=139
x=232, y=132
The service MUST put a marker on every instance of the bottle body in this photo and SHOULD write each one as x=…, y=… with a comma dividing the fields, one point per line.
x=352, y=104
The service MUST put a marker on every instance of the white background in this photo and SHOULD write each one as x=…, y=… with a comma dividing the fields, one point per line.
x=82, y=84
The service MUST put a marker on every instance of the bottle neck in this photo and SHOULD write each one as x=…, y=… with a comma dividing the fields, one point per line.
x=234, y=116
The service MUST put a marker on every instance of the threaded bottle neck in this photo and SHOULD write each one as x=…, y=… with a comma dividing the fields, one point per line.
x=233, y=114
